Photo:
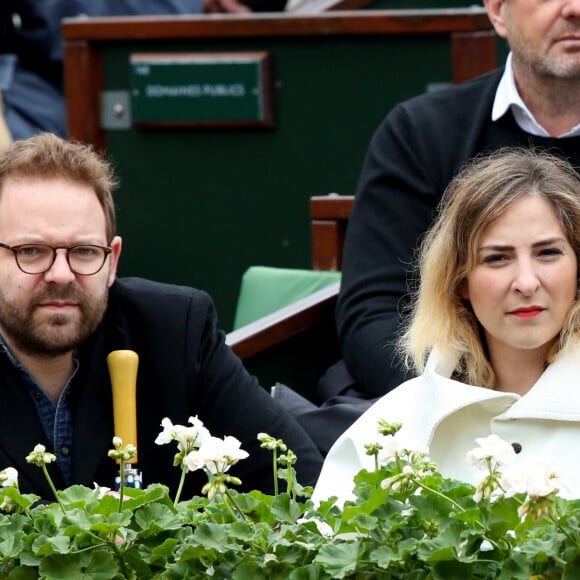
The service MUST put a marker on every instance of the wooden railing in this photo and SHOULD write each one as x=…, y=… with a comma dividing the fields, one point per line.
x=329, y=217
x=473, y=43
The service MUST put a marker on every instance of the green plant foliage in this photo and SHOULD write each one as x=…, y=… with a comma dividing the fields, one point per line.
x=407, y=522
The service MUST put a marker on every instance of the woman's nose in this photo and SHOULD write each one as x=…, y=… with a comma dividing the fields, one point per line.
x=526, y=279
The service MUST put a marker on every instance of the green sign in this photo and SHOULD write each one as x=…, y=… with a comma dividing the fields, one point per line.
x=200, y=89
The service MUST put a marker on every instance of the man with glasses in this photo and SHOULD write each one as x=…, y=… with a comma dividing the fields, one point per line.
x=62, y=311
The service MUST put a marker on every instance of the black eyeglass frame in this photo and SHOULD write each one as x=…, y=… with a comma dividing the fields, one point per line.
x=15, y=249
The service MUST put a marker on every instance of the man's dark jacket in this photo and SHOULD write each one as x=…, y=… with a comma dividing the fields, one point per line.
x=185, y=369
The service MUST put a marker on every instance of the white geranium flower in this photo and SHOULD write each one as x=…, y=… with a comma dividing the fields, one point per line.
x=395, y=446
x=514, y=479
x=534, y=477
x=39, y=456
x=491, y=448
x=195, y=460
x=215, y=455
x=391, y=449
x=187, y=438
x=166, y=436
x=9, y=477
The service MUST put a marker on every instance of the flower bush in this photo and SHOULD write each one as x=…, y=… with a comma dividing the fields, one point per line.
x=407, y=521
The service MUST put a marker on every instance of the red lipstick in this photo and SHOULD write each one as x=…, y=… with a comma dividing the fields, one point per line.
x=527, y=312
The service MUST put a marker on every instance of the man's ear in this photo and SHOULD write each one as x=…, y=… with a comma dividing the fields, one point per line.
x=495, y=12
x=116, y=245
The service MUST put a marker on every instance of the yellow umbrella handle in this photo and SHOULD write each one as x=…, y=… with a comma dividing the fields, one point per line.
x=123, y=372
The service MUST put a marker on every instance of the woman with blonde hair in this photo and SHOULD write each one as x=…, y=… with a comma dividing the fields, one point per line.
x=494, y=324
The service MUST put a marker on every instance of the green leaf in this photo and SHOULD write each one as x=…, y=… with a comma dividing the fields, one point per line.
x=383, y=556
x=241, y=531
x=310, y=572
x=338, y=560
x=443, y=547
x=155, y=493
x=96, y=565
x=156, y=517
x=21, y=573
x=540, y=549
x=516, y=567
x=503, y=515
x=285, y=508
x=249, y=571
x=471, y=516
x=451, y=571
x=375, y=499
x=107, y=506
x=44, y=546
x=11, y=546
x=163, y=552
x=211, y=536
x=79, y=496
x=364, y=523
x=23, y=501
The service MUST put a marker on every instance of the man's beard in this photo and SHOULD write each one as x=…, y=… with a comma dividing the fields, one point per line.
x=56, y=334
x=560, y=65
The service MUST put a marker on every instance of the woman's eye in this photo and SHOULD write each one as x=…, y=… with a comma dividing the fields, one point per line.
x=550, y=252
x=495, y=258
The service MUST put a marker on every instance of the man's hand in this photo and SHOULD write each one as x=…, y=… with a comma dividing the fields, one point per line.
x=215, y=6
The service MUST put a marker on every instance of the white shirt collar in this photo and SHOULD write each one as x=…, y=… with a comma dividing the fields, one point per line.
x=507, y=97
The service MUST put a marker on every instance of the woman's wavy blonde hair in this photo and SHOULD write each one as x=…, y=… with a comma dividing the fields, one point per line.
x=482, y=191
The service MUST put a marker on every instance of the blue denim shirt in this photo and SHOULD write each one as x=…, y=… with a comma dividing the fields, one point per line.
x=55, y=418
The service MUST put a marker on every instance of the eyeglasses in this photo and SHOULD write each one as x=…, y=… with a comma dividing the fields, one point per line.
x=83, y=259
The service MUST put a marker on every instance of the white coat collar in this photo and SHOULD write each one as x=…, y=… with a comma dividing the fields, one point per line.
x=555, y=395
x=442, y=396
